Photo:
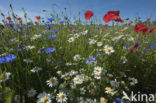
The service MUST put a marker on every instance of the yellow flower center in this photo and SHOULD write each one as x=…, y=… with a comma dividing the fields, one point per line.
x=61, y=96
x=28, y=60
x=93, y=41
x=97, y=70
x=103, y=100
x=45, y=100
x=35, y=68
x=52, y=80
x=122, y=82
x=2, y=77
x=30, y=92
x=59, y=72
x=108, y=50
x=109, y=90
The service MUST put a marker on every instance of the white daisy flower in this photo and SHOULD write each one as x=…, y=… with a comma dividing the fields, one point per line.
x=36, y=37
x=109, y=91
x=84, y=32
x=68, y=64
x=103, y=100
x=77, y=57
x=97, y=76
x=4, y=77
x=52, y=82
x=61, y=97
x=72, y=72
x=92, y=41
x=29, y=47
x=123, y=59
x=98, y=70
x=99, y=44
x=71, y=39
x=31, y=93
x=59, y=72
x=78, y=79
x=76, y=35
x=36, y=69
x=44, y=98
x=27, y=60
x=108, y=50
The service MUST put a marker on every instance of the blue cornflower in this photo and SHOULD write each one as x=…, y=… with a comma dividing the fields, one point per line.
x=48, y=26
x=29, y=26
x=44, y=33
x=51, y=36
x=121, y=38
x=50, y=50
x=153, y=47
x=66, y=18
x=51, y=19
x=150, y=44
x=91, y=60
x=57, y=40
x=7, y=59
x=89, y=35
x=55, y=31
x=61, y=22
x=2, y=59
x=114, y=31
x=113, y=43
x=137, y=42
x=155, y=39
x=145, y=49
x=118, y=100
x=98, y=28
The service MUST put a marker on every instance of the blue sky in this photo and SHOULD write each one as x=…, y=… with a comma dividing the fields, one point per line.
x=128, y=8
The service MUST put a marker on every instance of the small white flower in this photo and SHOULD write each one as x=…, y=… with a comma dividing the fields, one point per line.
x=61, y=97
x=44, y=98
x=99, y=44
x=98, y=70
x=78, y=79
x=109, y=91
x=72, y=72
x=97, y=76
x=31, y=93
x=36, y=69
x=29, y=47
x=4, y=77
x=84, y=32
x=76, y=35
x=27, y=60
x=108, y=50
x=77, y=57
x=71, y=39
x=36, y=37
x=92, y=41
x=52, y=81
x=123, y=59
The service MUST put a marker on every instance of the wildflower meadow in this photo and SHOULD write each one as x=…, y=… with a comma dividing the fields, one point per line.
x=56, y=60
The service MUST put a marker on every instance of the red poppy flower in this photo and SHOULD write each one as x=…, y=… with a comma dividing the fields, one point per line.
x=20, y=20
x=130, y=22
x=8, y=18
x=134, y=47
x=88, y=14
x=148, y=19
x=112, y=15
x=143, y=28
x=37, y=17
x=35, y=22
